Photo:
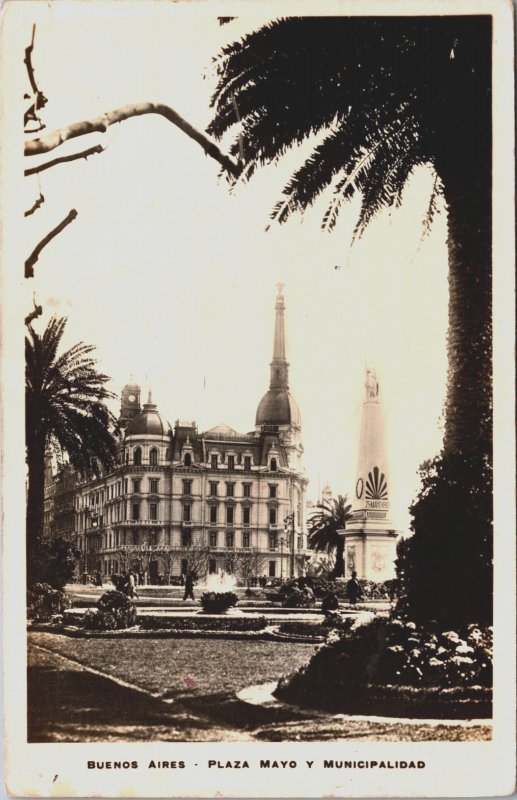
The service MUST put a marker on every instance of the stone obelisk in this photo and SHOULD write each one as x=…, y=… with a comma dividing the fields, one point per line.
x=370, y=539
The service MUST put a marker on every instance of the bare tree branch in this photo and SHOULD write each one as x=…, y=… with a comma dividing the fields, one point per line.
x=39, y=202
x=38, y=311
x=100, y=124
x=39, y=98
x=63, y=159
x=29, y=264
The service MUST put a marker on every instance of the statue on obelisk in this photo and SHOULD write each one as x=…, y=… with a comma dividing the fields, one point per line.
x=369, y=536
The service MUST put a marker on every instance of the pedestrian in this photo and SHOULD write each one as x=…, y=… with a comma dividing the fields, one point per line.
x=131, y=590
x=353, y=589
x=189, y=586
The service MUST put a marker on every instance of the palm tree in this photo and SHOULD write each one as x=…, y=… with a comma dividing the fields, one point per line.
x=64, y=411
x=386, y=95
x=331, y=517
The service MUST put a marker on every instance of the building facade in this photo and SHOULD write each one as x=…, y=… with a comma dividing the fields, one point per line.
x=217, y=500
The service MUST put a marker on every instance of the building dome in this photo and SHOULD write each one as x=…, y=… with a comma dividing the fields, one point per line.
x=148, y=422
x=278, y=407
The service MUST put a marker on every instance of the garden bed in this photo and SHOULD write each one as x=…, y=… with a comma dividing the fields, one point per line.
x=395, y=701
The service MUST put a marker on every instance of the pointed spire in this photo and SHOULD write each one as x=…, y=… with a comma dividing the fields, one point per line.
x=150, y=398
x=279, y=365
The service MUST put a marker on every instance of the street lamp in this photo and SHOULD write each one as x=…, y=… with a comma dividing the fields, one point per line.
x=282, y=543
x=289, y=533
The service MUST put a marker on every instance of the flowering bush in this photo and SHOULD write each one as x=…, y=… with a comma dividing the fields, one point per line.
x=218, y=602
x=114, y=610
x=44, y=602
x=393, y=653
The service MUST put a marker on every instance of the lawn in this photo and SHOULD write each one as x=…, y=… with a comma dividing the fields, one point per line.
x=171, y=666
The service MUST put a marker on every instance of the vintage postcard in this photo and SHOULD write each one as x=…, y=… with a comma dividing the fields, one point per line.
x=258, y=468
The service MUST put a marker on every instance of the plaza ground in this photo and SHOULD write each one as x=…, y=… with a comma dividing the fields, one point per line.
x=113, y=689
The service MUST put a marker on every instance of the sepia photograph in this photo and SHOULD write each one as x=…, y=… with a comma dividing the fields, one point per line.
x=258, y=409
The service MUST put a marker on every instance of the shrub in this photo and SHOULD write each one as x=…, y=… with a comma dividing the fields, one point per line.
x=304, y=629
x=44, y=602
x=54, y=562
x=114, y=611
x=218, y=602
x=445, y=568
x=198, y=623
x=393, y=653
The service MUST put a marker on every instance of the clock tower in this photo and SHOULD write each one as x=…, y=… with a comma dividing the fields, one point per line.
x=129, y=403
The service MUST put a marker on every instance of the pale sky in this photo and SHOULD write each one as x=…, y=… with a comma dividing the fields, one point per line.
x=173, y=278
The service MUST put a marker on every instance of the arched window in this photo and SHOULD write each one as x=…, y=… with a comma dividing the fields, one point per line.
x=137, y=456
x=153, y=457
x=187, y=461
x=273, y=466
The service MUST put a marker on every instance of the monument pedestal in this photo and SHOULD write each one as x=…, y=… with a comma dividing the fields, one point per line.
x=370, y=550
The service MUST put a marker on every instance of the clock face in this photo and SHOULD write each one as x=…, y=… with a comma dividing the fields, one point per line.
x=131, y=398
x=359, y=488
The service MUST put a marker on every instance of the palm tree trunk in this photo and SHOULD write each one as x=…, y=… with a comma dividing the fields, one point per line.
x=468, y=425
x=35, y=501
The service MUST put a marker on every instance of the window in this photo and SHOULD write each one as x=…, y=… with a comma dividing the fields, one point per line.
x=272, y=516
x=300, y=542
x=186, y=538
x=247, y=463
x=153, y=457
x=272, y=569
x=186, y=512
x=229, y=515
x=231, y=462
x=245, y=539
x=187, y=461
x=246, y=489
x=213, y=514
x=213, y=461
x=136, y=485
x=125, y=486
x=187, y=487
x=273, y=466
x=230, y=489
x=136, y=510
x=229, y=538
x=153, y=485
x=213, y=488
x=127, y=456
x=213, y=539
x=272, y=489
x=272, y=541
x=137, y=456
x=153, y=511
x=152, y=539
x=246, y=514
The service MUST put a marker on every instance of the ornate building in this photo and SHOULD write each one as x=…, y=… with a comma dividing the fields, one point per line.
x=218, y=500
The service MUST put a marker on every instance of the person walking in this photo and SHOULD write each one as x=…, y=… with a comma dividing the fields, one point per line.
x=189, y=586
x=353, y=589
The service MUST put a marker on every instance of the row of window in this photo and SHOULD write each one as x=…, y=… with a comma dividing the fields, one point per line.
x=115, y=490
x=215, y=460
x=119, y=538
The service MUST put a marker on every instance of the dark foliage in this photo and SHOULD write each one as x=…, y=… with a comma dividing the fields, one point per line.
x=54, y=562
x=387, y=654
x=114, y=611
x=44, y=602
x=309, y=629
x=218, y=602
x=198, y=623
x=445, y=568
x=64, y=411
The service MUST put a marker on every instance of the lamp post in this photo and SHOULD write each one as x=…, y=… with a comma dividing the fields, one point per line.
x=282, y=543
x=289, y=534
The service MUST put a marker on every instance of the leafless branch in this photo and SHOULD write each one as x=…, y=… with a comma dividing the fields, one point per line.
x=39, y=202
x=100, y=125
x=39, y=98
x=29, y=264
x=38, y=311
x=63, y=159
